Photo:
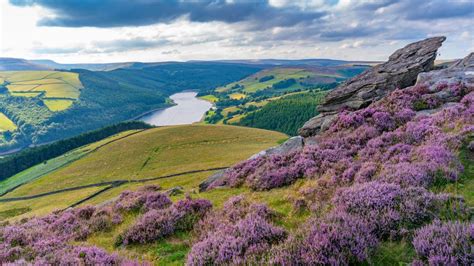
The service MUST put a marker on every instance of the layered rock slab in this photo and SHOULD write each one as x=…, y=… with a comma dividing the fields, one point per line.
x=400, y=71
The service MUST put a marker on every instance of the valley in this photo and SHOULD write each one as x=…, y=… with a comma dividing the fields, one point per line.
x=47, y=106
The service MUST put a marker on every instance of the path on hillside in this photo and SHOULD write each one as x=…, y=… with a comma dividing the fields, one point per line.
x=86, y=153
x=109, y=184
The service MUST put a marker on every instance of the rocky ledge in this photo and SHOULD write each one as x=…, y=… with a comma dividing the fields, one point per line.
x=400, y=71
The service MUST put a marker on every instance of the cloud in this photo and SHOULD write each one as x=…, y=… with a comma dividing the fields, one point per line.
x=55, y=50
x=136, y=43
x=174, y=51
x=116, y=13
x=200, y=29
x=438, y=9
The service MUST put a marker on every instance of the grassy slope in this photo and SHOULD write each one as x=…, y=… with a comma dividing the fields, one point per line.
x=49, y=166
x=151, y=153
x=6, y=124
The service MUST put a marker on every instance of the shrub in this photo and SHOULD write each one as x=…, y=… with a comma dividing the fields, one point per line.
x=240, y=233
x=339, y=239
x=449, y=243
x=156, y=224
x=388, y=208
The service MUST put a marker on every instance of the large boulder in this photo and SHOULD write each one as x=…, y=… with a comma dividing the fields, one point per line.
x=400, y=71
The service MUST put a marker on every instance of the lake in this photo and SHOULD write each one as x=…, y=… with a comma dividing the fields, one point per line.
x=188, y=109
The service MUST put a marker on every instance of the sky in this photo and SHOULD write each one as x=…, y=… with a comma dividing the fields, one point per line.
x=99, y=31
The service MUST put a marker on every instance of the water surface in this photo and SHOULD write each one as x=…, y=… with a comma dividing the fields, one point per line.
x=188, y=109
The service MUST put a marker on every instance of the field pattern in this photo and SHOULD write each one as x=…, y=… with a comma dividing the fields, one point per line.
x=267, y=78
x=58, y=90
x=6, y=124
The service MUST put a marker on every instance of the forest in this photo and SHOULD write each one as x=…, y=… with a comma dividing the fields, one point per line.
x=274, y=115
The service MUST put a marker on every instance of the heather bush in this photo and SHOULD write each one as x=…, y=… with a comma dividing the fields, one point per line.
x=160, y=223
x=46, y=240
x=338, y=239
x=145, y=199
x=240, y=233
x=384, y=136
x=387, y=208
x=449, y=243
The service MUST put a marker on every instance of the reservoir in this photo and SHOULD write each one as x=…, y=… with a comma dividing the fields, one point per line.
x=188, y=109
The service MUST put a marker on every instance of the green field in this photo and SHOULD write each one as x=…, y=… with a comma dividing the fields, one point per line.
x=56, y=163
x=58, y=105
x=58, y=90
x=151, y=153
x=6, y=124
x=237, y=96
x=210, y=98
x=252, y=83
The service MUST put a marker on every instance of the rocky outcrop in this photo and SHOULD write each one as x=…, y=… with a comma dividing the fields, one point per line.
x=291, y=145
x=400, y=71
x=214, y=177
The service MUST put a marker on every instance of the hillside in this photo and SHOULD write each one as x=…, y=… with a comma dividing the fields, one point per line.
x=16, y=64
x=135, y=155
x=238, y=99
x=48, y=106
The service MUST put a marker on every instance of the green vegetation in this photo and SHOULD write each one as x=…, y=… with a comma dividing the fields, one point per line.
x=46, y=84
x=465, y=185
x=6, y=124
x=151, y=153
x=265, y=79
x=46, y=105
x=27, y=158
x=210, y=98
x=275, y=115
x=58, y=105
x=237, y=100
x=51, y=165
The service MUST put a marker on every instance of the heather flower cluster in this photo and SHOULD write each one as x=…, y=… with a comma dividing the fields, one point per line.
x=240, y=233
x=388, y=208
x=388, y=141
x=374, y=168
x=146, y=198
x=338, y=239
x=47, y=240
x=164, y=221
x=449, y=243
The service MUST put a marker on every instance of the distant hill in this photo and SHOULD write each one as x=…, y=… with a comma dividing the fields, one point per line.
x=94, y=67
x=300, y=62
x=11, y=64
x=15, y=64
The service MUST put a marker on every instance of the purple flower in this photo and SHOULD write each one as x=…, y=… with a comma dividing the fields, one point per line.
x=449, y=243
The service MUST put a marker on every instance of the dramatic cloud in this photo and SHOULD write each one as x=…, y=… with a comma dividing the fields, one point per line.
x=115, y=13
x=158, y=30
